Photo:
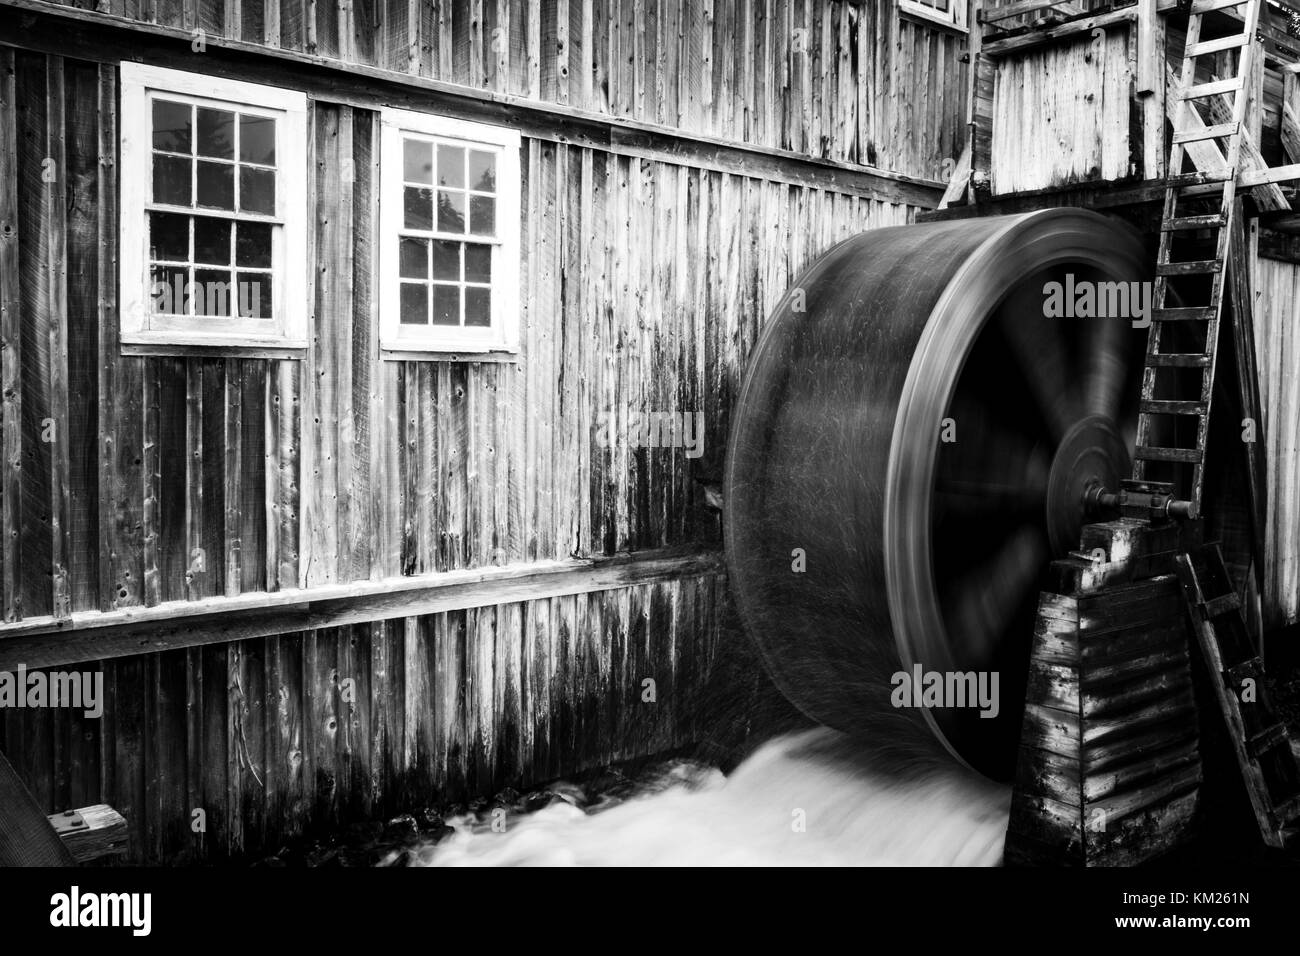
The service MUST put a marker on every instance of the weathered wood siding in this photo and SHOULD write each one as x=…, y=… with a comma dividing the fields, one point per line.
x=829, y=78
x=192, y=477
x=132, y=481
x=1062, y=114
x=289, y=735
x=1277, y=345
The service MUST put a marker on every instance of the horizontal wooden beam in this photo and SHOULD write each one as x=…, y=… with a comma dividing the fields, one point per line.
x=99, y=635
x=102, y=37
x=1068, y=30
x=1269, y=174
x=1099, y=195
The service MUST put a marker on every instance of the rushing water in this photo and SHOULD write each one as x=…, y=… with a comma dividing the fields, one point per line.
x=856, y=807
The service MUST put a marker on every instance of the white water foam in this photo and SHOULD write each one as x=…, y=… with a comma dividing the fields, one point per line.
x=854, y=815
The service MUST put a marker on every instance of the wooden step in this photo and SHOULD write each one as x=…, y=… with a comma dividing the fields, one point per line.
x=1218, y=131
x=1198, y=178
x=1177, y=360
x=1156, y=453
x=1160, y=406
x=1215, y=221
x=1272, y=736
x=1201, y=90
x=1198, y=267
x=1199, y=314
x=1288, y=809
x=1211, y=190
x=1214, y=46
x=1223, y=604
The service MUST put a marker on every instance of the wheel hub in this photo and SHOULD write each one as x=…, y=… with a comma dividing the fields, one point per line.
x=1091, y=453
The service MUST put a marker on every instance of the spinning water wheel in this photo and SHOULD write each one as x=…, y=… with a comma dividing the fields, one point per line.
x=926, y=437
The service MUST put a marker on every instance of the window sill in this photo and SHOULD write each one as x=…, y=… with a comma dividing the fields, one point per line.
x=504, y=356
x=215, y=347
x=943, y=25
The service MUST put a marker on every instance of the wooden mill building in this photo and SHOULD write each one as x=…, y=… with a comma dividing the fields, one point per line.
x=361, y=527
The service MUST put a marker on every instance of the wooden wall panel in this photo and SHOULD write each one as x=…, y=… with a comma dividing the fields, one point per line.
x=298, y=734
x=836, y=79
x=1080, y=94
x=1277, y=345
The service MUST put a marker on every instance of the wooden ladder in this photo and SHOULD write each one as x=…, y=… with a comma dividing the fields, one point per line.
x=1178, y=379
x=1259, y=737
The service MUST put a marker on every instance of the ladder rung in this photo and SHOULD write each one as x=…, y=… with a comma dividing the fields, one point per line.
x=1206, y=314
x=1267, y=739
x=1162, y=406
x=1188, y=268
x=1205, y=6
x=1218, y=131
x=1203, y=189
x=1287, y=810
x=1198, y=178
x=1214, y=46
x=1201, y=90
x=1154, y=453
x=1178, y=360
x=1223, y=604
x=1252, y=668
x=1193, y=222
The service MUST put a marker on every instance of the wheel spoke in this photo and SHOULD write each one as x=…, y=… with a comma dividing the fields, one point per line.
x=1105, y=368
x=1038, y=345
x=981, y=603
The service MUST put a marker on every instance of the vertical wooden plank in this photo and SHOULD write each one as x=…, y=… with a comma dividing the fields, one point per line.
x=151, y=471
x=82, y=343
x=319, y=560
x=196, y=560
x=534, y=48
x=562, y=51
x=254, y=493
x=10, y=344
x=348, y=514
x=233, y=473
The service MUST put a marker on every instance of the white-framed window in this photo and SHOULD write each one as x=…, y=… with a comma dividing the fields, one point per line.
x=449, y=236
x=213, y=191
x=948, y=12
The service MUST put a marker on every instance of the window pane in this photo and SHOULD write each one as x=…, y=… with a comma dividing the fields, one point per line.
x=478, y=263
x=167, y=289
x=413, y=258
x=482, y=215
x=253, y=244
x=417, y=161
x=446, y=305
x=478, y=307
x=446, y=261
x=212, y=292
x=419, y=208
x=171, y=126
x=212, y=240
x=257, y=190
x=171, y=180
x=254, y=295
x=216, y=185
x=257, y=139
x=482, y=171
x=216, y=133
x=451, y=212
x=169, y=236
x=451, y=166
x=414, y=304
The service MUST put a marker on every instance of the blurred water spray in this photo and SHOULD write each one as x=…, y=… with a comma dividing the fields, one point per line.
x=858, y=807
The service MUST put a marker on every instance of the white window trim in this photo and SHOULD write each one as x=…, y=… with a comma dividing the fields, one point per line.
x=955, y=17
x=291, y=286
x=406, y=341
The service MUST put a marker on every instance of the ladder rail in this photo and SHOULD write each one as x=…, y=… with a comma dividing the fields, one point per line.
x=1189, y=126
